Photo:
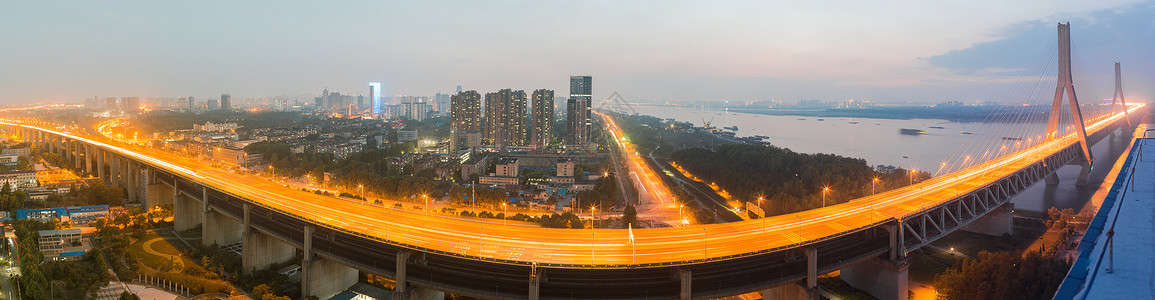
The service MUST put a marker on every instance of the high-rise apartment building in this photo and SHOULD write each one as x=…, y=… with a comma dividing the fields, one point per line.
x=226, y=102
x=464, y=120
x=213, y=104
x=441, y=103
x=192, y=103
x=505, y=118
x=578, y=111
x=375, y=97
x=129, y=104
x=541, y=119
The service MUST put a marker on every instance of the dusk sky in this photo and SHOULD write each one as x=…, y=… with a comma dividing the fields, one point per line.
x=901, y=51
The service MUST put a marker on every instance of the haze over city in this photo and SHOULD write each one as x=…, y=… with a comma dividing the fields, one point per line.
x=910, y=51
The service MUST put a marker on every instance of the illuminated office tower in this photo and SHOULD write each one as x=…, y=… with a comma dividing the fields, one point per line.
x=375, y=97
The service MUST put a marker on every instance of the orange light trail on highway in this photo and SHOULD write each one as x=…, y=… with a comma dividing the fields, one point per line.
x=573, y=247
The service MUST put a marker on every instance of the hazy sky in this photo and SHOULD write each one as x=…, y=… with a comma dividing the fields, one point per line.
x=669, y=50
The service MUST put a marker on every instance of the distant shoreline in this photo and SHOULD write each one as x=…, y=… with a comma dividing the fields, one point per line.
x=962, y=114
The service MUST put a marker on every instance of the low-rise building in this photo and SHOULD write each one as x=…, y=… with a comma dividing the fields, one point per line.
x=9, y=159
x=19, y=179
x=406, y=135
x=25, y=152
x=65, y=244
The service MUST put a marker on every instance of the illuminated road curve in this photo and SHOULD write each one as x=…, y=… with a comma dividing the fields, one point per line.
x=597, y=248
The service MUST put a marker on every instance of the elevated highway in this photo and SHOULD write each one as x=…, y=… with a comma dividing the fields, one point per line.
x=866, y=238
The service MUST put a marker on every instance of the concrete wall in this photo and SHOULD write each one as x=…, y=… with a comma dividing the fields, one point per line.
x=997, y=222
x=327, y=278
x=880, y=278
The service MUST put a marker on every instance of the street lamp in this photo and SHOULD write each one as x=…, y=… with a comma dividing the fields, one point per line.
x=426, y=197
x=872, y=185
x=763, y=216
x=593, y=216
x=361, y=188
x=824, y=190
x=504, y=214
x=912, y=175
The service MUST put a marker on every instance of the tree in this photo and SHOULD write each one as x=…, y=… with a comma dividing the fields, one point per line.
x=629, y=217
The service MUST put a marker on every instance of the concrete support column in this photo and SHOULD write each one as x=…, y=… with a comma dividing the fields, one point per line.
x=811, y=272
x=327, y=278
x=535, y=277
x=77, y=161
x=306, y=260
x=132, y=185
x=880, y=278
x=997, y=222
x=100, y=173
x=114, y=170
x=1084, y=173
x=402, y=284
x=261, y=251
x=685, y=277
x=88, y=159
x=187, y=212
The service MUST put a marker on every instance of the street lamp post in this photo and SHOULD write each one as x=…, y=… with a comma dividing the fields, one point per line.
x=872, y=185
x=824, y=190
x=426, y=197
x=763, y=216
x=912, y=176
x=504, y=214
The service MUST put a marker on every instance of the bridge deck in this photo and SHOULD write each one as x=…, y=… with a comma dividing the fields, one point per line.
x=598, y=248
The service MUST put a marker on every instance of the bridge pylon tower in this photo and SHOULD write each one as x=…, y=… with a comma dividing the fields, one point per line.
x=1067, y=85
x=1118, y=96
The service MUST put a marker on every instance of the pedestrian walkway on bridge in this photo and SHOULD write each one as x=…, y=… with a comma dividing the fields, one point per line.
x=1117, y=255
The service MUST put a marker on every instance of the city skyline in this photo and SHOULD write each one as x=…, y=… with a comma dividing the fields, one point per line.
x=797, y=51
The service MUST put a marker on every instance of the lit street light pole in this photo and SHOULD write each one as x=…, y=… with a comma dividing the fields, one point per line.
x=824, y=190
x=872, y=185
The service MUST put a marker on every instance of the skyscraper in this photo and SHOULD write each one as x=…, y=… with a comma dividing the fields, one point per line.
x=375, y=97
x=505, y=118
x=226, y=102
x=578, y=111
x=541, y=121
x=192, y=103
x=465, y=120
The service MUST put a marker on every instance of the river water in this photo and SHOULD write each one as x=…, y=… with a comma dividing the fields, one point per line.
x=878, y=142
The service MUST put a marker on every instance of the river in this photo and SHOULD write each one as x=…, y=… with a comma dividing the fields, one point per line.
x=878, y=142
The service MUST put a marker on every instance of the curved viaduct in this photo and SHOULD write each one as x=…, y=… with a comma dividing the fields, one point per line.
x=867, y=238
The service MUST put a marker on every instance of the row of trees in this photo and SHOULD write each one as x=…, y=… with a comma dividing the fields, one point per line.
x=1002, y=275
x=789, y=181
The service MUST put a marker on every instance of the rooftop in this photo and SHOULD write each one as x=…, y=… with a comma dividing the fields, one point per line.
x=1122, y=270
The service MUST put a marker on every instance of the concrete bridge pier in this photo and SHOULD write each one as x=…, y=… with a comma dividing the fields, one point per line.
x=321, y=277
x=1084, y=173
x=997, y=222
x=88, y=159
x=187, y=211
x=687, y=279
x=217, y=228
x=883, y=279
x=100, y=172
x=403, y=289
x=260, y=250
x=806, y=289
